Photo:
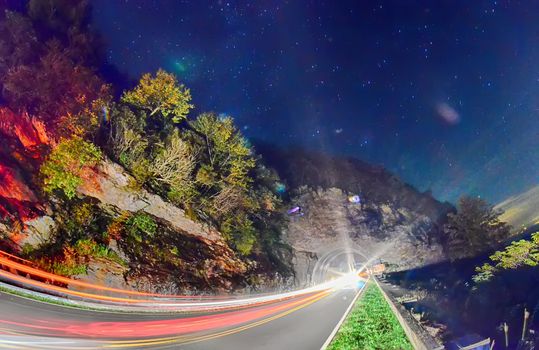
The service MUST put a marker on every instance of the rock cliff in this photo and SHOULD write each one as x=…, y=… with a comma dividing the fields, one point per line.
x=393, y=222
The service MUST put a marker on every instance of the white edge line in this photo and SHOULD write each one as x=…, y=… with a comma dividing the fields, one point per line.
x=336, y=329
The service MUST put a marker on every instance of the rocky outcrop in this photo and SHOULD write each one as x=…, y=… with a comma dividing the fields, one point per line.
x=403, y=239
x=205, y=255
x=393, y=221
x=187, y=255
x=112, y=186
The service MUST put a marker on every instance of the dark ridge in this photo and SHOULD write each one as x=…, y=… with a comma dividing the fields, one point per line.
x=299, y=167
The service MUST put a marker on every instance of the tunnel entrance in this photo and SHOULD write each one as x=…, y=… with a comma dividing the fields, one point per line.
x=337, y=262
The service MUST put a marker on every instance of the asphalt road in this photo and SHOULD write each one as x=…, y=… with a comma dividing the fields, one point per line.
x=304, y=329
x=306, y=326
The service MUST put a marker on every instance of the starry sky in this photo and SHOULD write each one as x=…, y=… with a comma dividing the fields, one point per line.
x=443, y=93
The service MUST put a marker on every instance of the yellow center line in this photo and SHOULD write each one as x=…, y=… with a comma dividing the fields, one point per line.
x=184, y=337
x=170, y=340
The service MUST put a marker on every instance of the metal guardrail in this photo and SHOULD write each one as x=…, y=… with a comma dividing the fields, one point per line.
x=476, y=345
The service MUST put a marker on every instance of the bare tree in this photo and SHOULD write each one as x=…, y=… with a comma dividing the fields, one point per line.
x=174, y=164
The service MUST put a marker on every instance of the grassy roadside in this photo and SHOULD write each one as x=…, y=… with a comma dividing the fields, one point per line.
x=371, y=325
x=45, y=299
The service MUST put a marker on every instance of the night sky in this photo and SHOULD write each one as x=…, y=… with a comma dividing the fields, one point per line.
x=443, y=93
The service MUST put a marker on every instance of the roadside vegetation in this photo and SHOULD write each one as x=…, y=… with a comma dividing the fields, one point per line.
x=475, y=228
x=517, y=255
x=371, y=325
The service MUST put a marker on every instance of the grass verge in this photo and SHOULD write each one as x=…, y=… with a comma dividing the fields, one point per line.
x=45, y=299
x=371, y=325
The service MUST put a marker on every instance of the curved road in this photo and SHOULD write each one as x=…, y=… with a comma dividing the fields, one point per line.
x=303, y=322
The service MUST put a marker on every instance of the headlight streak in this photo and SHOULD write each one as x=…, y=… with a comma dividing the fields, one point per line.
x=168, y=305
x=241, y=312
x=30, y=334
x=52, y=277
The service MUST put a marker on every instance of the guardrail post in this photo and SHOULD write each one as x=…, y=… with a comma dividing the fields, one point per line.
x=526, y=315
x=506, y=331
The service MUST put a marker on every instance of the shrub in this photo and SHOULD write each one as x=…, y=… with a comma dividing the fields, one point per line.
x=516, y=255
x=88, y=248
x=63, y=168
x=141, y=223
x=240, y=234
x=65, y=264
x=116, y=228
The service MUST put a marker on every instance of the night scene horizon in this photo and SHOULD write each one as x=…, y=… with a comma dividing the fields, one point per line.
x=293, y=174
x=445, y=95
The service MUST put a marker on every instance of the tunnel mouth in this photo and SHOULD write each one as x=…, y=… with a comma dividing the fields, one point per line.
x=336, y=263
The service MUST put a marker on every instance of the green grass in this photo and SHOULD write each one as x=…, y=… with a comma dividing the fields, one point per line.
x=371, y=325
x=44, y=299
x=89, y=248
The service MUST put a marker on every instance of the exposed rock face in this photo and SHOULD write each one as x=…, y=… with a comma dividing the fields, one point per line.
x=206, y=255
x=105, y=273
x=37, y=231
x=114, y=187
x=393, y=222
x=402, y=238
x=206, y=260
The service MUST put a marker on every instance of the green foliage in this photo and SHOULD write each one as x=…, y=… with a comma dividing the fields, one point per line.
x=485, y=273
x=66, y=263
x=141, y=225
x=516, y=255
x=158, y=158
x=88, y=248
x=474, y=228
x=222, y=150
x=371, y=325
x=240, y=232
x=160, y=94
x=64, y=269
x=224, y=162
x=208, y=169
x=63, y=168
x=27, y=249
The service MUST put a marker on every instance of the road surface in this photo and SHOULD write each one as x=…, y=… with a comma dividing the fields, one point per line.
x=307, y=328
x=303, y=322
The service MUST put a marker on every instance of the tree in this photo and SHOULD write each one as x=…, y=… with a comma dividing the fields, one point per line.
x=474, y=228
x=160, y=94
x=60, y=16
x=225, y=161
x=240, y=233
x=55, y=87
x=18, y=42
x=127, y=141
x=516, y=255
x=173, y=166
x=64, y=168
